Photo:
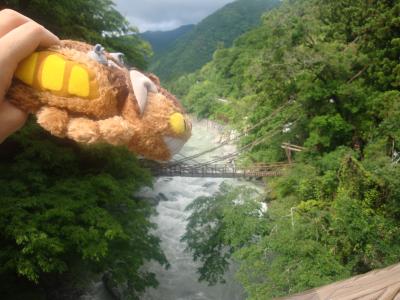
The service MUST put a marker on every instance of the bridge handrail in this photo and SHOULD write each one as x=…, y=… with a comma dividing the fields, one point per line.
x=264, y=120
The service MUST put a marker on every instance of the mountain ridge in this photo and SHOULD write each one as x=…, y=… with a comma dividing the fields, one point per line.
x=195, y=48
x=161, y=40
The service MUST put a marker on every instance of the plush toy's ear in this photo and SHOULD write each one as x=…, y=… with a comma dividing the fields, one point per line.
x=119, y=57
x=141, y=86
x=98, y=55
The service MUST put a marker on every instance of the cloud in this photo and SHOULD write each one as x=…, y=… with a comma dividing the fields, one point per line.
x=166, y=14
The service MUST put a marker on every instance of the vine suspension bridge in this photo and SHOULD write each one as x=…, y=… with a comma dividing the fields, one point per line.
x=224, y=166
x=218, y=170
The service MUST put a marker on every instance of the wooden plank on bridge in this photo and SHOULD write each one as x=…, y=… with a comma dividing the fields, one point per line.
x=383, y=284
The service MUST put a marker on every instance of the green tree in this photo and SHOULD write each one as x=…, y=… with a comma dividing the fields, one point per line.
x=68, y=210
x=331, y=67
x=215, y=229
x=91, y=21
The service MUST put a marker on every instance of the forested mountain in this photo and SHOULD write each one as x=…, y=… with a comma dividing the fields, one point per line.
x=160, y=41
x=322, y=74
x=192, y=50
x=67, y=212
x=325, y=75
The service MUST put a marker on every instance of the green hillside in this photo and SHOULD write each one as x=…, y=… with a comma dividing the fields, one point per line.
x=195, y=48
x=162, y=40
x=324, y=75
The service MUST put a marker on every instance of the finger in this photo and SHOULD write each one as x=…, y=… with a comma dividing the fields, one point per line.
x=18, y=44
x=11, y=119
x=23, y=40
x=10, y=19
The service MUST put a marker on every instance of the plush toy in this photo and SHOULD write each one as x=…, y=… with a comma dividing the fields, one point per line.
x=86, y=94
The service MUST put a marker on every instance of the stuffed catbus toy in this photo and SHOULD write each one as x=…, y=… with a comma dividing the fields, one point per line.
x=86, y=94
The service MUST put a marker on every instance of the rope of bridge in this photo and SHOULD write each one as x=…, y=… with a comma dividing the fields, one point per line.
x=186, y=158
x=236, y=138
x=240, y=150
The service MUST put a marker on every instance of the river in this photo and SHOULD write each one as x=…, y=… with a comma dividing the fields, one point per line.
x=180, y=282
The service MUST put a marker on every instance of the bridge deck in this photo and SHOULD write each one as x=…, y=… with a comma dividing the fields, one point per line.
x=217, y=170
x=217, y=174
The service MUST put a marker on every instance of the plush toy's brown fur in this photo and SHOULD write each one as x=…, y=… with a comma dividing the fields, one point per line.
x=113, y=117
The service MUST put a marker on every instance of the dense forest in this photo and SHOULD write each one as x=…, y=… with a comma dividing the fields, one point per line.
x=67, y=212
x=195, y=48
x=322, y=74
x=325, y=74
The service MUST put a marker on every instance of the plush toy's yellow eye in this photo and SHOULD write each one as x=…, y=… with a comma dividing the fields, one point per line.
x=177, y=122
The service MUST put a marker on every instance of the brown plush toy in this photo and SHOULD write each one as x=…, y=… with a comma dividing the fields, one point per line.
x=84, y=93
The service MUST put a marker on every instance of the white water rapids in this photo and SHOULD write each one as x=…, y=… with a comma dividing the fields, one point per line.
x=180, y=281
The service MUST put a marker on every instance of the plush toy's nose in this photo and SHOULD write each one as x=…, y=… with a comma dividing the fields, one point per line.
x=179, y=124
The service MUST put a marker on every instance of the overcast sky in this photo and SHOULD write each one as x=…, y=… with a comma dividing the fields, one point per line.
x=166, y=14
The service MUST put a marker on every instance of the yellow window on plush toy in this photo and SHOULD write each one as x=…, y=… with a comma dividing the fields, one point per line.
x=79, y=82
x=26, y=69
x=53, y=72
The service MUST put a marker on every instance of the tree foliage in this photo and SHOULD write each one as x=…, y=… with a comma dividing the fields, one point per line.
x=303, y=54
x=215, y=230
x=70, y=209
x=91, y=21
x=67, y=212
x=332, y=69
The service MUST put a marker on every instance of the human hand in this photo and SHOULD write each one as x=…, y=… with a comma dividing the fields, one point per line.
x=19, y=37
